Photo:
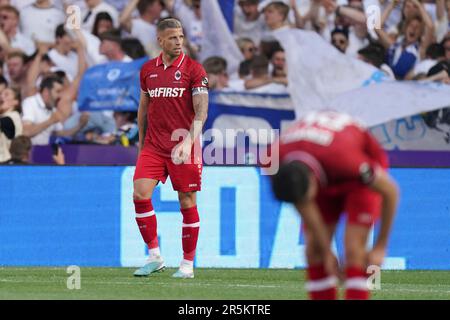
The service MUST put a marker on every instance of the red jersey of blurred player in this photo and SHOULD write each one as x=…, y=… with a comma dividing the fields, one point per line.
x=341, y=153
x=344, y=160
x=172, y=110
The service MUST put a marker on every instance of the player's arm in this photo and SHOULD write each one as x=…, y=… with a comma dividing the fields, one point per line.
x=200, y=105
x=387, y=188
x=311, y=217
x=142, y=118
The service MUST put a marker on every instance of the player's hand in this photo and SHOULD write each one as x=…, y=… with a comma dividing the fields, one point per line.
x=376, y=256
x=182, y=151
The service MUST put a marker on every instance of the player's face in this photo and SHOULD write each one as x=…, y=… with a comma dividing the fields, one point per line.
x=171, y=41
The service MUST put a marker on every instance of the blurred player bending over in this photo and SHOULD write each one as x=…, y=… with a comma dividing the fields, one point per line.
x=329, y=164
x=174, y=96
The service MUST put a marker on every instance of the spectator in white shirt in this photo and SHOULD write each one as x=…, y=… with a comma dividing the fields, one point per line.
x=435, y=53
x=374, y=54
x=248, y=22
x=39, y=21
x=93, y=8
x=111, y=46
x=62, y=55
x=10, y=35
x=103, y=22
x=191, y=19
x=216, y=68
x=16, y=69
x=142, y=27
x=247, y=47
x=40, y=117
x=259, y=69
x=10, y=122
x=339, y=39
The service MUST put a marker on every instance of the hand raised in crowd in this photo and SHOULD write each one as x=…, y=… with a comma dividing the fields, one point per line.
x=42, y=47
x=84, y=119
x=57, y=116
x=329, y=5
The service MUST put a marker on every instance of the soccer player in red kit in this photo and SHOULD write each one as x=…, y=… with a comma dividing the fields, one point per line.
x=329, y=164
x=174, y=97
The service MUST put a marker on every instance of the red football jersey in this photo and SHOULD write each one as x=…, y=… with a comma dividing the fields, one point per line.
x=170, y=91
x=337, y=149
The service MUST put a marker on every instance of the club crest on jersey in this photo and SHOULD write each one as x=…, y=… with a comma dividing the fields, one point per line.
x=178, y=75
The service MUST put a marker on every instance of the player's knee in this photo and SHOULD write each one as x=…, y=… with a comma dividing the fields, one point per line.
x=313, y=254
x=355, y=255
x=187, y=199
x=139, y=194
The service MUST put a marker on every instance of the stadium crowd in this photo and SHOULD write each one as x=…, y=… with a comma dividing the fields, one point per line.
x=43, y=59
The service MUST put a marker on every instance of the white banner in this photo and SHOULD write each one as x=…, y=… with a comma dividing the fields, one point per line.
x=320, y=77
x=217, y=38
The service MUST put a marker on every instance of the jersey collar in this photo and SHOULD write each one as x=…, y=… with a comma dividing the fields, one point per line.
x=177, y=63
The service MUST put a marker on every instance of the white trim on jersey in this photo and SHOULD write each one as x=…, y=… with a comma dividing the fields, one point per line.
x=182, y=59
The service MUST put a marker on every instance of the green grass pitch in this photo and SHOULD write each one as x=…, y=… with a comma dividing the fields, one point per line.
x=209, y=284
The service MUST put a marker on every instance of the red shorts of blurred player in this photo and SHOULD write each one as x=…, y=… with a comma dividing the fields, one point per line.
x=184, y=177
x=362, y=205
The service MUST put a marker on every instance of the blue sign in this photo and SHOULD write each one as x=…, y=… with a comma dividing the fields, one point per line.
x=111, y=86
x=59, y=216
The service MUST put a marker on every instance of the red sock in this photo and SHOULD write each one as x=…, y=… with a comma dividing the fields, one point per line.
x=356, y=284
x=146, y=220
x=320, y=285
x=191, y=226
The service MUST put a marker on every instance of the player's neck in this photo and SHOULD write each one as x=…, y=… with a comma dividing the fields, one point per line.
x=168, y=60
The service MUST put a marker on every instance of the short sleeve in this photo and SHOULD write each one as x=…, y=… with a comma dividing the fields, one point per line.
x=27, y=113
x=199, y=78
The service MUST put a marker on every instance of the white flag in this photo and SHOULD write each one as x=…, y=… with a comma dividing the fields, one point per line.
x=321, y=77
x=217, y=38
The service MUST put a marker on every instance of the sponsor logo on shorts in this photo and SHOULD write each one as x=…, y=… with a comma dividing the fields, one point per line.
x=164, y=92
x=192, y=185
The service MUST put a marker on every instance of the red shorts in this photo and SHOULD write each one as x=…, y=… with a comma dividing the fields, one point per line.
x=184, y=177
x=362, y=205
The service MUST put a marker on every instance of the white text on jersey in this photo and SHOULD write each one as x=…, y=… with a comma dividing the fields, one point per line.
x=164, y=92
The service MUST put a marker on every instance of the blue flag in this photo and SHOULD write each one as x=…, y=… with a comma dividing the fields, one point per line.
x=111, y=86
